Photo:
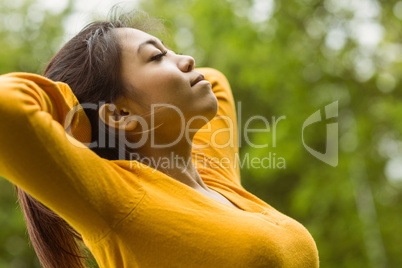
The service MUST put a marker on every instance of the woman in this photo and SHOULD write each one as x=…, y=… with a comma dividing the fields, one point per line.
x=114, y=193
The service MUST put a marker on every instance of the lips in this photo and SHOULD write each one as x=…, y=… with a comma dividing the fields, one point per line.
x=197, y=79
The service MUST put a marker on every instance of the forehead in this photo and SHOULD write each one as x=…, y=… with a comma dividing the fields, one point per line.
x=129, y=37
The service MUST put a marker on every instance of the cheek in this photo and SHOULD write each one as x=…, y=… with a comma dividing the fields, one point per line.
x=160, y=82
x=169, y=76
x=165, y=84
x=162, y=88
x=162, y=76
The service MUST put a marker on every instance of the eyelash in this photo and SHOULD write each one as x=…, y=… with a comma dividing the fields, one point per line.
x=159, y=56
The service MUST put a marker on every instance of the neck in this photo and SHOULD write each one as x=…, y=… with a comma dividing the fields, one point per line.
x=175, y=161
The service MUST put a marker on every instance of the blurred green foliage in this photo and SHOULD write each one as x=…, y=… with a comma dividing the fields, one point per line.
x=282, y=58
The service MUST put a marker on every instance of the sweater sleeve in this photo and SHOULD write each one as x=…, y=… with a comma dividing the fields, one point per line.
x=38, y=155
x=215, y=149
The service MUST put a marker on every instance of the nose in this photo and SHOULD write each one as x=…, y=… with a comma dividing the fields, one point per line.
x=186, y=63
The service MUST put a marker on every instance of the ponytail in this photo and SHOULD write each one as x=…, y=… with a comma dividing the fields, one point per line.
x=53, y=239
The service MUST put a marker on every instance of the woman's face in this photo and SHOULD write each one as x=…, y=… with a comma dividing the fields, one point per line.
x=156, y=76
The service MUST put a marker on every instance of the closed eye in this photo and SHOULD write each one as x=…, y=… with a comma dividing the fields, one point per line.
x=159, y=56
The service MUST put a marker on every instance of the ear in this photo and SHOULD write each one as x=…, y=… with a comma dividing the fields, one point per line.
x=118, y=118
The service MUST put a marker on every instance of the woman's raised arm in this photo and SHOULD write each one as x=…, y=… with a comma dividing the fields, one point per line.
x=37, y=155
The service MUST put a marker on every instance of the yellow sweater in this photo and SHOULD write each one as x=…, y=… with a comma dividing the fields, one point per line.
x=129, y=214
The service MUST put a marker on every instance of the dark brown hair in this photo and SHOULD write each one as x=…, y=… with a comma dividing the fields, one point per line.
x=90, y=64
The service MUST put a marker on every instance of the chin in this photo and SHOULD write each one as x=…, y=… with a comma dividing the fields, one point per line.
x=215, y=105
x=207, y=113
x=212, y=108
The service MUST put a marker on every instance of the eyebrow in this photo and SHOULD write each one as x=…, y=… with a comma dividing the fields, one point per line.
x=154, y=42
